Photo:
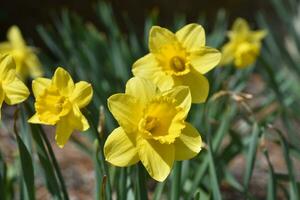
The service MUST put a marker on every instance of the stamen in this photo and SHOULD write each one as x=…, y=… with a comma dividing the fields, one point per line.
x=177, y=64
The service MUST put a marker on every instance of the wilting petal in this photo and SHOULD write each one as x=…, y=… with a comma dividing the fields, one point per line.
x=147, y=67
x=159, y=38
x=39, y=85
x=182, y=95
x=157, y=158
x=192, y=37
x=15, y=92
x=127, y=111
x=82, y=94
x=120, y=148
x=188, y=144
x=141, y=88
x=197, y=83
x=63, y=81
x=205, y=59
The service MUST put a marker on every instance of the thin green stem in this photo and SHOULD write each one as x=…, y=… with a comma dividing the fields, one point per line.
x=175, y=190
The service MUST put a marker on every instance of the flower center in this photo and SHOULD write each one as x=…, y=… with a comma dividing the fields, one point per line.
x=177, y=64
x=162, y=120
x=246, y=54
x=51, y=105
x=150, y=123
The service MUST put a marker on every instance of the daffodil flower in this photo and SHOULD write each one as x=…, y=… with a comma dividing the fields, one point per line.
x=152, y=128
x=244, y=44
x=12, y=89
x=178, y=59
x=58, y=102
x=27, y=62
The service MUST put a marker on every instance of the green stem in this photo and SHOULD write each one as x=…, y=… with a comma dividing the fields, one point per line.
x=100, y=156
x=56, y=166
x=175, y=190
x=141, y=183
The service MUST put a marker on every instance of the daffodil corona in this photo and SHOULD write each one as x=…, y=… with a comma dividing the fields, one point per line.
x=152, y=128
x=244, y=44
x=58, y=102
x=178, y=59
x=12, y=89
x=27, y=63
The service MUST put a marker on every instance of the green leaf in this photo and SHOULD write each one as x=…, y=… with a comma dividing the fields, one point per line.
x=251, y=156
x=27, y=168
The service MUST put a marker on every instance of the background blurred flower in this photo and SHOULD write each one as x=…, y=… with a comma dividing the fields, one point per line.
x=152, y=128
x=27, y=62
x=12, y=89
x=58, y=102
x=243, y=46
x=178, y=59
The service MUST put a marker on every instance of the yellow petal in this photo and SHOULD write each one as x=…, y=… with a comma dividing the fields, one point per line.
x=63, y=81
x=160, y=37
x=141, y=88
x=182, y=96
x=147, y=67
x=15, y=92
x=63, y=132
x=75, y=120
x=205, y=59
x=34, y=65
x=35, y=120
x=5, y=47
x=188, y=144
x=192, y=37
x=78, y=120
x=39, y=85
x=1, y=98
x=7, y=69
x=15, y=37
x=198, y=84
x=228, y=52
x=120, y=148
x=240, y=25
x=127, y=111
x=157, y=158
x=257, y=36
x=82, y=94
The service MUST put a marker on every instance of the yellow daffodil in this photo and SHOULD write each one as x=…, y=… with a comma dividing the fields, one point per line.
x=178, y=59
x=152, y=128
x=58, y=102
x=12, y=89
x=27, y=62
x=244, y=44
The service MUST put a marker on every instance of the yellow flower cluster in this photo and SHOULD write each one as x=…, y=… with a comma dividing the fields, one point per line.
x=152, y=111
x=244, y=44
x=27, y=63
x=58, y=101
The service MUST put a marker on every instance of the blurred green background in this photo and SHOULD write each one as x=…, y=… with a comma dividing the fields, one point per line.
x=28, y=14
